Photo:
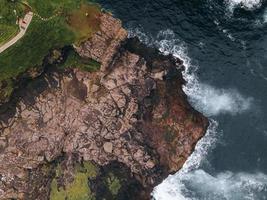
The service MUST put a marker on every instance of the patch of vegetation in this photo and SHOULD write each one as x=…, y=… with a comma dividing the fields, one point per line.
x=49, y=8
x=7, y=32
x=84, y=21
x=68, y=22
x=9, y=14
x=113, y=184
x=74, y=60
x=30, y=51
x=78, y=189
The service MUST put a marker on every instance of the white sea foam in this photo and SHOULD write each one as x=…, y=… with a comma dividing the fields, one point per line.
x=208, y=99
x=265, y=16
x=246, y=4
x=222, y=186
x=191, y=179
x=214, y=101
x=173, y=188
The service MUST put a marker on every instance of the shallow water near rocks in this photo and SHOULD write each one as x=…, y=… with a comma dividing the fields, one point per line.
x=224, y=46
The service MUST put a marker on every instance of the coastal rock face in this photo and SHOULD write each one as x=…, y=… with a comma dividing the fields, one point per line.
x=103, y=45
x=133, y=112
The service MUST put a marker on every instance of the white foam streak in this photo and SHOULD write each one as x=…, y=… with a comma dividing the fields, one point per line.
x=265, y=16
x=225, y=186
x=212, y=101
x=173, y=187
x=193, y=183
x=246, y=4
x=207, y=99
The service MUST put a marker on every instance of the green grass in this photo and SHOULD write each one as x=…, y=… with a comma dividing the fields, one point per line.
x=8, y=16
x=30, y=51
x=76, y=21
x=75, y=61
x=9, y=13
x=78, y=189
x=7, y=32
x=47, y=8
x=84, y=21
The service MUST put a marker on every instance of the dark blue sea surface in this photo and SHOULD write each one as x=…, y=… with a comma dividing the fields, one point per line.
x=224, y=46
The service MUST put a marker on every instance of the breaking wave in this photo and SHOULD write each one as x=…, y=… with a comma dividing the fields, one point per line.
x=214, y=101
x=246, y=4
x=173, y=188
x=210, y=100
x=191, y=182
x=207, y=99
x=222, y=186
x=265, y=16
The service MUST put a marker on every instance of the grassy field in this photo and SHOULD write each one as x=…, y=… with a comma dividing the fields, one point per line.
x=9, y=13
x=71, y=22
x=7, y=32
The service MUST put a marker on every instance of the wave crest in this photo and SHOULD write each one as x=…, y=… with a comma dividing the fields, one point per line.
x=214, y=101
x=207, y=99
x=191, y=182
x=223, y=186
x=173, y=188
x=246, y=4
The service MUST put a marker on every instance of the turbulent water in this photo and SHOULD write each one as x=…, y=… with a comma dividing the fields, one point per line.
x=224, y=46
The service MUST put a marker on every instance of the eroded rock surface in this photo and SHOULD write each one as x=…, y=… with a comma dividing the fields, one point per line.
x=132, y=111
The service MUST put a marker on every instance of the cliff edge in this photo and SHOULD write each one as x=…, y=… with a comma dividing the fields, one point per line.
x=110, y=134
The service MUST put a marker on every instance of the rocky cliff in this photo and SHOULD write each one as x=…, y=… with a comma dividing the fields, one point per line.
x=111, y=134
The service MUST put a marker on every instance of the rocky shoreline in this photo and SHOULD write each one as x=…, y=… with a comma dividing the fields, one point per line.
x=122, y=129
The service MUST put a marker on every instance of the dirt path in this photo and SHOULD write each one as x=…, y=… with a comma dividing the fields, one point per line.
x=48, y=18
x=23, y=25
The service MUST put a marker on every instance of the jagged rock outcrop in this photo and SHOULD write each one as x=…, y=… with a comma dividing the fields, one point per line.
x=133, y=111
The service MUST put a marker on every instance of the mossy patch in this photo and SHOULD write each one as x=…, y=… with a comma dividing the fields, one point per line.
x=73, y=60
x=78, y=189
x=113, y=183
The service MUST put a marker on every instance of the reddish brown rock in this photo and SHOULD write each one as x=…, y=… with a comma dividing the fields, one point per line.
x=104, y=44
x=133, y=111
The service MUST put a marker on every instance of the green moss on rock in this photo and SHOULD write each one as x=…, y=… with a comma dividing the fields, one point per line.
x=78, y=189
x=113, y=183
x=73, y=60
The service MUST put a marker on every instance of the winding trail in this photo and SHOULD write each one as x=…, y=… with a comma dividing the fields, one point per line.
x=48, y=18
x=23, y=25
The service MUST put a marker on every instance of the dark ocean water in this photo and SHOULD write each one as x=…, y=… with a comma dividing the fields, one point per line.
x=224, y=46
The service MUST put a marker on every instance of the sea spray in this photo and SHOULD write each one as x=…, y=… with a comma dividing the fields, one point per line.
x=246, y=4
x=173, y=187
x=211, y=101
x=208, y=99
